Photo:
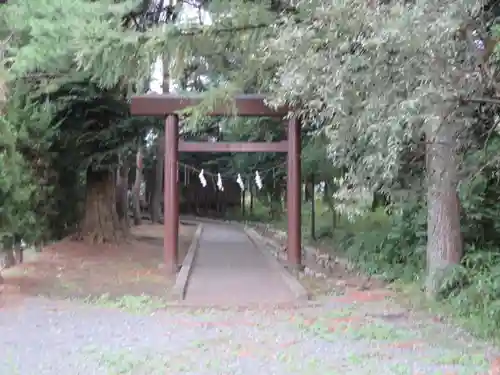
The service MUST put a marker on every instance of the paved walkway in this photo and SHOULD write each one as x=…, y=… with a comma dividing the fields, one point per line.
x=230, y=270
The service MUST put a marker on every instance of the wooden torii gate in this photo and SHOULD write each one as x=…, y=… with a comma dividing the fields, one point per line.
x=168, y=106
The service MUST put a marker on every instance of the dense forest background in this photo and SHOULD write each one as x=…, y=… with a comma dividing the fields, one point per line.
x=399, y=102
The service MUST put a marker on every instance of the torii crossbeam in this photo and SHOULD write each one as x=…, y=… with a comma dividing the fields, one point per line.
x=168, y=106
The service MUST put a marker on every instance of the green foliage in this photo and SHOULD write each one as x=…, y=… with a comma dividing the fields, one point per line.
x=390, y=246
x=48, y=42
x=94, y=124
x=110, y=51
x=16, y=188
x=25, y=128
x=373, y=77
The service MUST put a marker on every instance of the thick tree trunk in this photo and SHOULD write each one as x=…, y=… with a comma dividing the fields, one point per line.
x=444, y=240
x=100, y=222
x=136, y=192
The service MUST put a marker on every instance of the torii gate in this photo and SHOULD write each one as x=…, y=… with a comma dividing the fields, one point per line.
x=168, y=105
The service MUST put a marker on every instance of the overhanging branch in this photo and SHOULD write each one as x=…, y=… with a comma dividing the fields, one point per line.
x=478, y=100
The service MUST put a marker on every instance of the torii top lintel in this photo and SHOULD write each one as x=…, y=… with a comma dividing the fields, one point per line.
x=167, y=104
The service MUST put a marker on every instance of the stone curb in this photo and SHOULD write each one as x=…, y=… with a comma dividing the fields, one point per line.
x=182, y=279
x=298, y=290
x=252, y=306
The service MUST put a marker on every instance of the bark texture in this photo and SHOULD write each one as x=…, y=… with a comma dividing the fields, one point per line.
x=444, y=240
x=100, y=222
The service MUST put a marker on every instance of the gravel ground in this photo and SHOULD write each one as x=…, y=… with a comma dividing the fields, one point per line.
x=44, y=337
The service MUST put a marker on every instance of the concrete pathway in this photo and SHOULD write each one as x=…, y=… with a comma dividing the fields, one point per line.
x=230, y=270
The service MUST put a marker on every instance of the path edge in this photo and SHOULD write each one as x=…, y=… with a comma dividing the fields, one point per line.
x=182, y=279
x=308, y=251
x=298, y=290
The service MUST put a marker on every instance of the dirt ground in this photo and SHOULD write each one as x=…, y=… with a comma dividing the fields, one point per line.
x=70, y=269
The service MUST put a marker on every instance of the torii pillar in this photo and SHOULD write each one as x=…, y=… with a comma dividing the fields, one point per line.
x=171, y=194
x=293, y=196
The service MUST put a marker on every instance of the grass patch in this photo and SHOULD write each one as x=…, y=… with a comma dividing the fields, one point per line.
x=475, y=360
x=192, y=358
x=128, y=362
x=411, y=296
x=142, y=304
x=351, y=327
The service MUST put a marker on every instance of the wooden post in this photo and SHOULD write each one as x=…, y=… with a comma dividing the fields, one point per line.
x=294, y=246
x=171, y=194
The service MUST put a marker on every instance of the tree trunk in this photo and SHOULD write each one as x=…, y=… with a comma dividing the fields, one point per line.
x=149, y=179
x=275, y=201
x=156, y=196
x=122, y=196
x=328, y=199
x=444, y=240
x=243, y=203
x=307, y=190
x=250, y=190
x=160, y=156
x=326, y=193
x=313, y=209
x=100, y=221
x=136, y=193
